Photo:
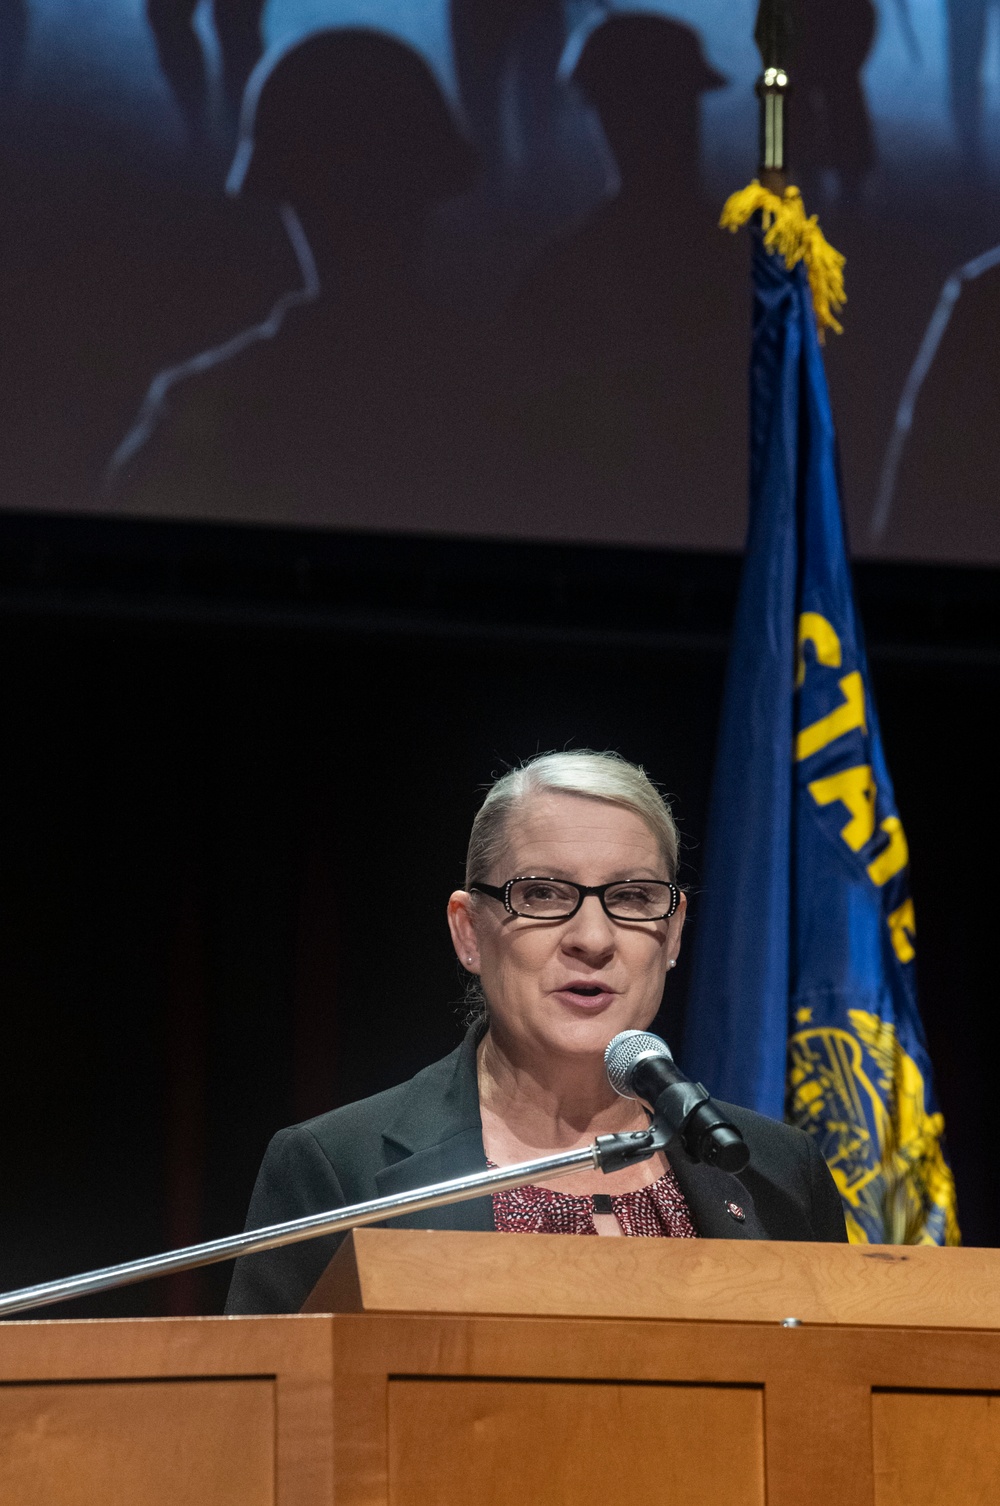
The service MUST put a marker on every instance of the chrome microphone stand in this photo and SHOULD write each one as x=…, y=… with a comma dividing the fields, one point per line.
x=607, y=1153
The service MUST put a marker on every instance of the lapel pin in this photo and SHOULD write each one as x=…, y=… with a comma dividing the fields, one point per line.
x=735, y=1211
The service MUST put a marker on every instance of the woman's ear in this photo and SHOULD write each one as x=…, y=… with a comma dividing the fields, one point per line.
x=463, y=930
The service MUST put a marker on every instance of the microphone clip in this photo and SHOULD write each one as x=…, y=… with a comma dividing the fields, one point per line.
x=615, y=1152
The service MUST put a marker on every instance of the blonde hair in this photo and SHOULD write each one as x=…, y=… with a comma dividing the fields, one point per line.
x=598, y=776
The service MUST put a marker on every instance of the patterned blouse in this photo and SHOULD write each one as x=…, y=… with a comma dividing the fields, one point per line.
x=654, y=1212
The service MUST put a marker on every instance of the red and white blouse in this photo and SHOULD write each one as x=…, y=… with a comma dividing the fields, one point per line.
x=658, y=1211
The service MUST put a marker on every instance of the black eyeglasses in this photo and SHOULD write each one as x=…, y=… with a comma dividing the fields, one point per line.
x=559, y=899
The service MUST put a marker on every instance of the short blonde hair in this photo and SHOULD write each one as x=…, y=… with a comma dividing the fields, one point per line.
x=598, y=776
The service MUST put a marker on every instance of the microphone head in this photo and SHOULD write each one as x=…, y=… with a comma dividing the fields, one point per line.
x=625, y=1052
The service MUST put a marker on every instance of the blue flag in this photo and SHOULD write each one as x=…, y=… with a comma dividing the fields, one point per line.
x=803, y=1001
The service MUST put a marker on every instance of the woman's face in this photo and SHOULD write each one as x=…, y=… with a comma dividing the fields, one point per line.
x=540, y=977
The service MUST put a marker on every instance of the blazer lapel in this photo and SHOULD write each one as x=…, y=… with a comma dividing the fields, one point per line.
x=715, y=1199
x=459, y=1156
x=436, y=1135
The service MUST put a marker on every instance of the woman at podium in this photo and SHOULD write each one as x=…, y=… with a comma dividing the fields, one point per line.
x=568, y=925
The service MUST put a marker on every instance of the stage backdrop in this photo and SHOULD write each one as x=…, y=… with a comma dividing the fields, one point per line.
x=466, y=276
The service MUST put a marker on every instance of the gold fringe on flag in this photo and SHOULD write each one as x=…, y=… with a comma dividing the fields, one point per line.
x=796, y=238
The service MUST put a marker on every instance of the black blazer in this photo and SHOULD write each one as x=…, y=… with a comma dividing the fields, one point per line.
x=429, y=1129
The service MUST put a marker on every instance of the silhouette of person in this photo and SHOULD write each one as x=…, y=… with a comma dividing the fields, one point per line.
x=966, y=53
x=13, y=45
x=944, y=457
x=339, y=406
x=238, y=28
x=506, y=56
x=832, y=127
x=537, y=139
x=627, y=344
x=645, y=75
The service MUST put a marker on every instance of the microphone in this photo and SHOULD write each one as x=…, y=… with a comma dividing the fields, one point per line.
x=640, y=1065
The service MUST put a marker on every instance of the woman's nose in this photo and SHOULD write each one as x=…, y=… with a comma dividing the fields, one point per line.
x=590, y=931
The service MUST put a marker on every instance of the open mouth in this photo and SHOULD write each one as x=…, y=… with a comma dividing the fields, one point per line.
x=587, y=993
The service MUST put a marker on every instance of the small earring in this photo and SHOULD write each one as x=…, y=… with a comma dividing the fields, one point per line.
x=469, y=959
x=672, y=962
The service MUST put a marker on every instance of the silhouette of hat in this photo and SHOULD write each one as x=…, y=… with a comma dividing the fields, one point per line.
x=643, y=55
x=352, y=113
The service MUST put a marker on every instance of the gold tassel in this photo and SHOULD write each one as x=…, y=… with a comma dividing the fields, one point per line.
x=796, y=238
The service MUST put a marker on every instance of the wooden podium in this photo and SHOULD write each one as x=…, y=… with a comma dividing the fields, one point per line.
x=452, y=1369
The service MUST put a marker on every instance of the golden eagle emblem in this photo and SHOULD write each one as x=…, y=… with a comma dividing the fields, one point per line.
x=863, y=1097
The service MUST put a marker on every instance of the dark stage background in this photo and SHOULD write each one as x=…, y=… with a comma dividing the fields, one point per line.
x=238, y=773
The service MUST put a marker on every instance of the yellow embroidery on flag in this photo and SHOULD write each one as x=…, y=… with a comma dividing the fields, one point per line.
x=863, y=1098
x=902, y=929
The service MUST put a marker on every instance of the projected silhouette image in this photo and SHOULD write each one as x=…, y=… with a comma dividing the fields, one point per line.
x=941, y=464
x=968, y=29
x=506, y=59
x=831, y=121
x=237, y=26
x=468, y=276
x=13, y=43
x=341, y=404
x=617, y=381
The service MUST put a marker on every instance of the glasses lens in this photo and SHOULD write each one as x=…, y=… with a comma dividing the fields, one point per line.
x=543, y=899
x=640, y=900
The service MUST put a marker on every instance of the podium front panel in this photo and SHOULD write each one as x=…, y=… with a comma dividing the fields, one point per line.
x=489, y=1411
x=507, y=1442
x=138, y=1443
x=933, y=1448
x=167, y=1412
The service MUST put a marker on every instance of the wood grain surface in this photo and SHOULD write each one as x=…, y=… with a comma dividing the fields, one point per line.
x=126, y=1443
x=819, y=1387
x=442, y=1271
x=437, y=1408
x=166, y=1412
x=507, y=1443
x=932, y=1449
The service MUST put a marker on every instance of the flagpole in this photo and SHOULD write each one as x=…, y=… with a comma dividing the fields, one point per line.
x=773, y=35
x=803, y=994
